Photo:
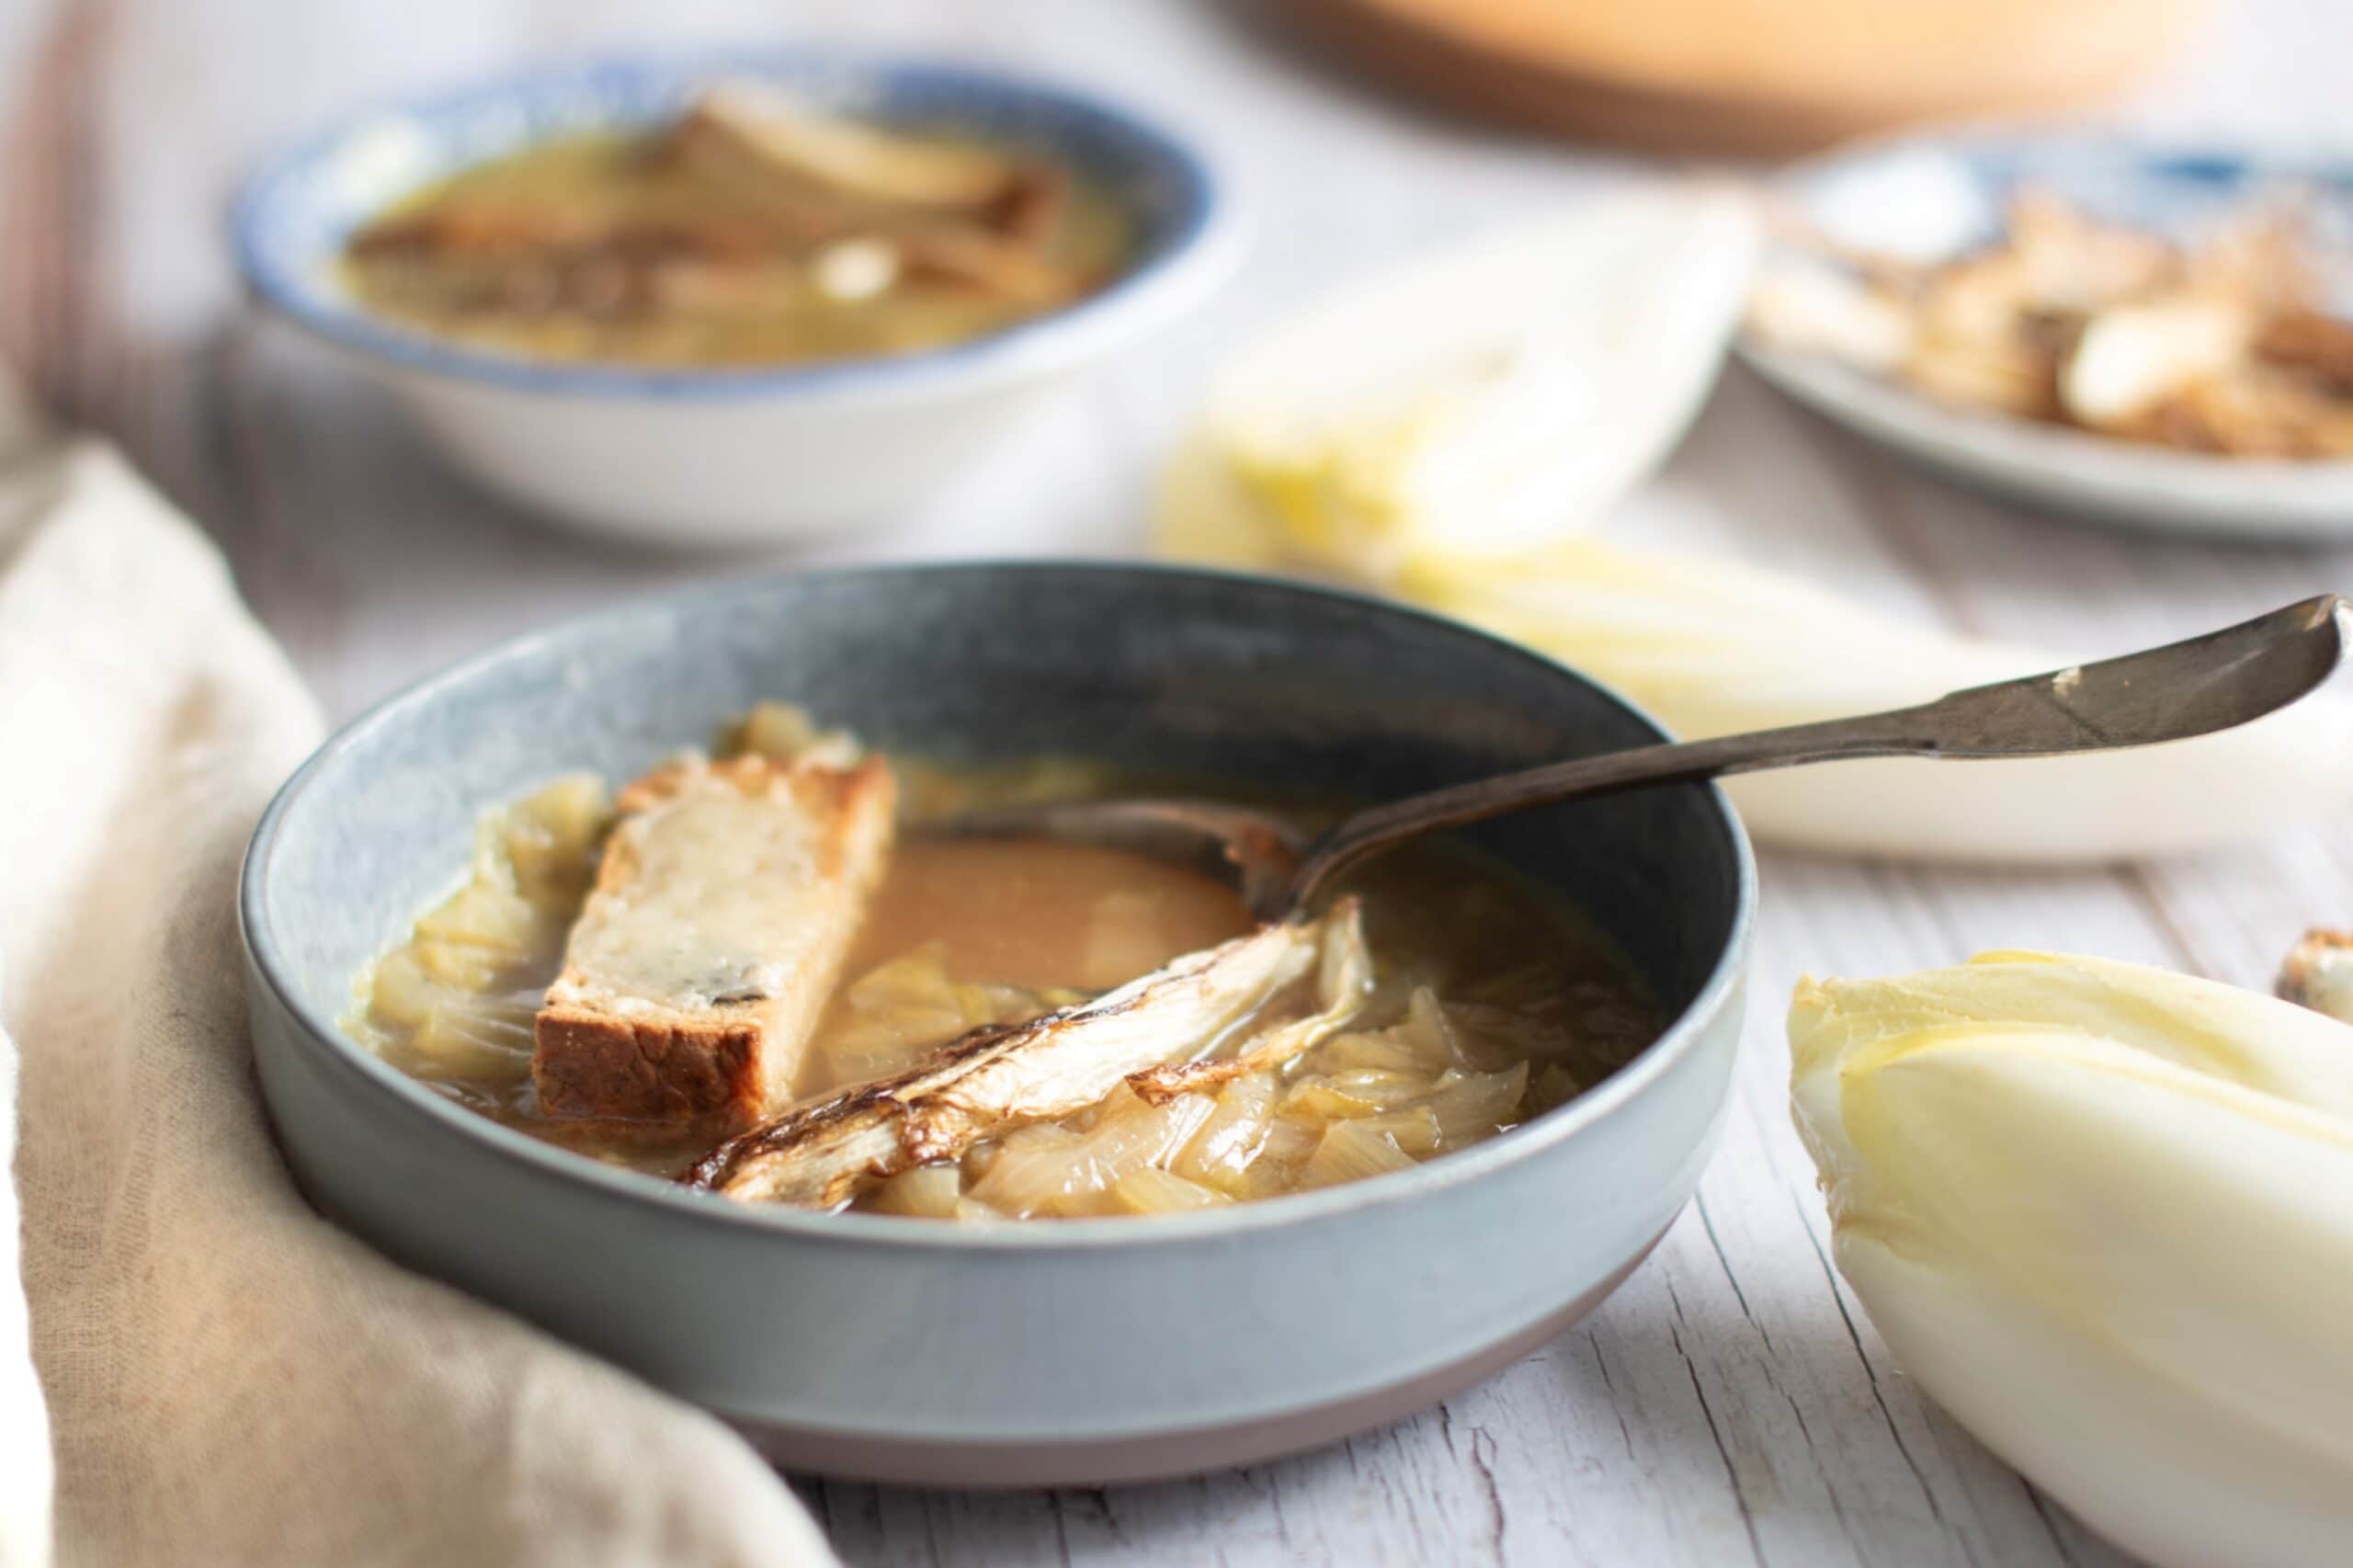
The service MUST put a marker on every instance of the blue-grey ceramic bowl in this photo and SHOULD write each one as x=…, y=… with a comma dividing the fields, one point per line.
x=1934, y=197
x=726, y=455
x=1088, y=1350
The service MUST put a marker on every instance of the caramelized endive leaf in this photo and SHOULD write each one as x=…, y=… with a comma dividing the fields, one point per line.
x=825, y=1152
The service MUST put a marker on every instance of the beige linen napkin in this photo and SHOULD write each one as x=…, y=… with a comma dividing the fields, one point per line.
x=229, y=1380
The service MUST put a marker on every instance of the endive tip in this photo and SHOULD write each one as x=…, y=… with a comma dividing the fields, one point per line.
x=1811, y=995
x=1811, y=1005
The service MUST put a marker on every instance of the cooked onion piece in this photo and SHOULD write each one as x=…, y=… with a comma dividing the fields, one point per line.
x=926, y=1192
x=1350, y=1152
x=455, y=1001
x=1233, y=1134
x=1150, y=1190
x=1288, y=1118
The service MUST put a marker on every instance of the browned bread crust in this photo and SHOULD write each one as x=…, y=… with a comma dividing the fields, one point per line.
x=718, y=1047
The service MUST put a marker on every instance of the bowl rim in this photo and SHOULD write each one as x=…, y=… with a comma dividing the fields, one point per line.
x=324, y=1039
x=1204, y=244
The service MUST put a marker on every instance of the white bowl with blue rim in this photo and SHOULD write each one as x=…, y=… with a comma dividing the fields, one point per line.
x=728, y=456
x=1928, y=199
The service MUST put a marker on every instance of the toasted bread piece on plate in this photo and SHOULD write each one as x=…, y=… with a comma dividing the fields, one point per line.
x=726, y=900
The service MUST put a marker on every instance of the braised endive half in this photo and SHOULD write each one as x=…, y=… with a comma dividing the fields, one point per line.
x=2103, y=1214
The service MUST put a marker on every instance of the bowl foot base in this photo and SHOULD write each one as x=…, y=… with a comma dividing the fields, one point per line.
x=1102, y=1461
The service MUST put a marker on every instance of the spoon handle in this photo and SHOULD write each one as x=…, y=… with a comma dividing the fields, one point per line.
x=2194, y=688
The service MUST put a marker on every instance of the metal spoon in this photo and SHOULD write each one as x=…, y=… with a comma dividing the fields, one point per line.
x=2214, y=682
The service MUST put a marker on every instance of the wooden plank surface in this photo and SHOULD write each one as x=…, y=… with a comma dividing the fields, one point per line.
x=1731, y=1404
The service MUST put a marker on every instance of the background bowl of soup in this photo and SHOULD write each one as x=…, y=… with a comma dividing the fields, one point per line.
x=1079, y=1350
x=728, y=438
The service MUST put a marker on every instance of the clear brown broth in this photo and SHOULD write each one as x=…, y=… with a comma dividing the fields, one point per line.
x=1042, y=916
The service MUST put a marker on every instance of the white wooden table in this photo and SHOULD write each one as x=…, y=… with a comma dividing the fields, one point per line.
x=1730, y=1402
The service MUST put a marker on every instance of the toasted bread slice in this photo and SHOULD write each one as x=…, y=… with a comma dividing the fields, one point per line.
x=727, y=899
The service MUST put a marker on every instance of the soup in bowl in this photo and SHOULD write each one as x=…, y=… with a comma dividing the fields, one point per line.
x=737, y=297
x=772, y=974
x=751, y=226
x=1463, y=1099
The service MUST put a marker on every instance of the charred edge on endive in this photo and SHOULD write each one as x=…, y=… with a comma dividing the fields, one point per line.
x=823, y=1153
x=1344, y=987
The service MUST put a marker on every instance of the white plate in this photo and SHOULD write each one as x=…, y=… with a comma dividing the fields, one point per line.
x=1940, y=198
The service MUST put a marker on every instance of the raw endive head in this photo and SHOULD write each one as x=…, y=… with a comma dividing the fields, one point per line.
x=1716, y=646
x=1489, y=396
x=1447, y=431
x=2104, y=1215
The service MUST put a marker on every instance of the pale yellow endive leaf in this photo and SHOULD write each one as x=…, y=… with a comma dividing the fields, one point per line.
x=1498, y=393
x=1713, y=646
x=2104, y=1214
x=1415, y=434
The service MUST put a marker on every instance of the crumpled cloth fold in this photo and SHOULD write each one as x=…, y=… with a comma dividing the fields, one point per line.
x=222, y=1376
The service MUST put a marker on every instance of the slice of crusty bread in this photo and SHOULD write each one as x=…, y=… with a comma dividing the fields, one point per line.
x=727, y=899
